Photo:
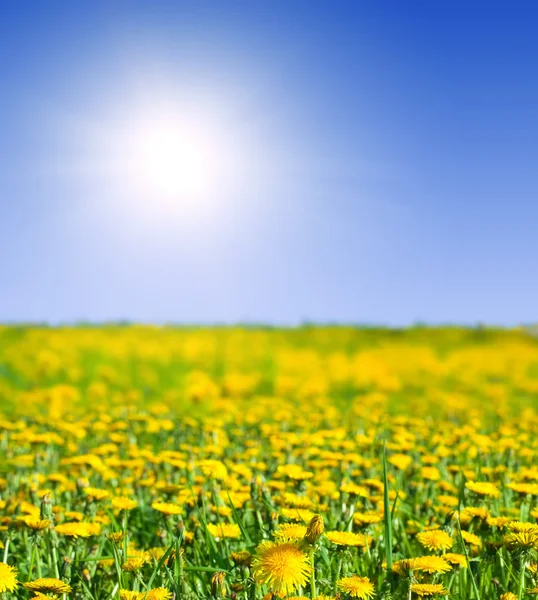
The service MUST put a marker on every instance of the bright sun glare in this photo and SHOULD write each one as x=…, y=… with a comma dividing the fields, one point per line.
x=170, y=163
x=167, y=157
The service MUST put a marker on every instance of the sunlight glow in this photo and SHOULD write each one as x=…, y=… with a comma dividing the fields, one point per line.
x=167, y=161
x=171, y=156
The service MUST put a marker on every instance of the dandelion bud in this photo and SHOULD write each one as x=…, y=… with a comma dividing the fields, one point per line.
x=314, y=530
x=255, y=488
x=82, y=483
x=218, y=588
x=116, y=537
x=243, y=558
x=46, y=507
x=66, y=572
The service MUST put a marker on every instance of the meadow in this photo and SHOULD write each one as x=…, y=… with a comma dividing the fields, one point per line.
x=154, y=463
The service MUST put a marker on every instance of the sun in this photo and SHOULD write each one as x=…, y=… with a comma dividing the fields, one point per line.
x=167, y=161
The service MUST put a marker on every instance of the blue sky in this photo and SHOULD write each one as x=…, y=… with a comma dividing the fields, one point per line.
x=372, y=162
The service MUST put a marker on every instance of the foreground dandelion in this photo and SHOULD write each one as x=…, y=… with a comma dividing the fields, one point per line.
x=48, y=585
x=282, y=567
x=8, y=578
x=357, y=587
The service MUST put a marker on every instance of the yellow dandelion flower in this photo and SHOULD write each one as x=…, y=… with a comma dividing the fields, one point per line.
x=401, y=567
x=74, y=515
x=522, y=535
x=508, y=596
x=77, y=530
x=471, y=538
x=290, y=531
x=298, y=514
x=133, y=564
x=158, y=552
x=124, y=503
x=224, y=530
x=483, y=488
x=357, y=587
x=355, y=490
x=437, y=539
x=8, y=578
x=524, y=488
x=96, y=494
x=116, y=536
x=499, y=522
x=295, y=472
x=35, y=523
x=363, y=519
x=428, y=589
x=448, y=500
x=129, y=595
x=346, y=538
x=522, y=527
x=430, y=473
x=167, y=508
x=431, y=564
x=243, y=557
x=374, y=484
x=48, y=585
x=282, y=567
x=40, y=596
x=458, y=560
x=159, y=594
x=473, y=512
x=400, y=461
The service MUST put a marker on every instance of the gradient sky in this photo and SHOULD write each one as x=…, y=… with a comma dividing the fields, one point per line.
x=382, y=161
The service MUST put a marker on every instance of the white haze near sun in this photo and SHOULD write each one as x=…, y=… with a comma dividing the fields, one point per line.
x=167, y=151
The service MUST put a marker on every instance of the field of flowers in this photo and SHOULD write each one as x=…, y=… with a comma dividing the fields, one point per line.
x=318, y=462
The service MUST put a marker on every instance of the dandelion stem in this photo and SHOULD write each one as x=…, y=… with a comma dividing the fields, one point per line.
x=313, y=577
x=6, y=550
x=521, y=586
